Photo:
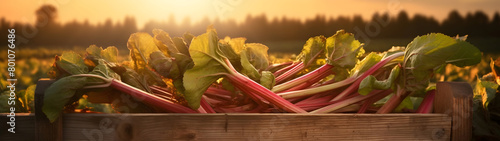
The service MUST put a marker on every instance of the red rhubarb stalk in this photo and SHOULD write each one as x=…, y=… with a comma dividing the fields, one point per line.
x=288, y=74
x=354, y=87
x=347, y=102
x=251, y=87
x=150, y=98
x=426, y=105
x=305, y=80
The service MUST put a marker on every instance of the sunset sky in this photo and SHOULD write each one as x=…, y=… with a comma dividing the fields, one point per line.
x=97, y=11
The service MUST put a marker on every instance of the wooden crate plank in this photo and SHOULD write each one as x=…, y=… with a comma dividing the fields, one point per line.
x=256, y=126
x=45, y=131
x=455, y=100
x=25, y=127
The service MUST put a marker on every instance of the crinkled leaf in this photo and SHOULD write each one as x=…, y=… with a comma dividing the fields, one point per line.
x=141, y=45
x=487, y=90
x=103, y=70
x=342, y=49
x=59, y=94
x=151, y=77
x=184, y=62
x=426, y=53
x=314, y=48
x=110, y=54
x=237, y=44
x=257, y=55
x=365, y=64
x=181, y=46
x=204, y=52
x=370, y=82
x=162, y=64
x=267, y=80
x=187, y=38
x=132, y=78
x=248, y=69
x=94, y=50
x=164, y=42
x=230, y=53
x=71, y=63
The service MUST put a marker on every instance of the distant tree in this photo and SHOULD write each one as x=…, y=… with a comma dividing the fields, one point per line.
x=495, y=25
x=421, y=25
x=402, y=25
x=46, y=14
x=454, y=24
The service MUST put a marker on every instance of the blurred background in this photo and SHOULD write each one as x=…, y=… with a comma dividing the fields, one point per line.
x=283, y=25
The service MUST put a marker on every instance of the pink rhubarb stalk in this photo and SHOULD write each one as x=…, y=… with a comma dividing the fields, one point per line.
x=347, y=102
x=305, y=80
x=354, y=87
x=426, y=105
x=288, y=74
x=150, y=99
x=251, y=87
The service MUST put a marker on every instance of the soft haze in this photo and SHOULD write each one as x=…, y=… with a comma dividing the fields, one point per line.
x=96, y=11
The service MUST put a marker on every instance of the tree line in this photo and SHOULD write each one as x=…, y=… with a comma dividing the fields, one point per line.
x=48, y=32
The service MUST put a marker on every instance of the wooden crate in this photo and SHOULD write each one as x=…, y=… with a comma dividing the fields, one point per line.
x=452, y=120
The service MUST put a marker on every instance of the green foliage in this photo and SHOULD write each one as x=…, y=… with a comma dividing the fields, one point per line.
x=427, y=53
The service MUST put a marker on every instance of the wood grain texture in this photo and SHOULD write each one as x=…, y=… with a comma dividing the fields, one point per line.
x=256, y=127
x=455, y=100
x=25, y=127
x=45, y=131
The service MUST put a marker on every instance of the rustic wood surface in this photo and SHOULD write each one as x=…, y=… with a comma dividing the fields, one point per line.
x=256, y=127
x=45, y=130
x=455, y=99
x=25, y=127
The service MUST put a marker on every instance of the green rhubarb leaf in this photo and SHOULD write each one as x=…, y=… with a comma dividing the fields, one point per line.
x=231, y=51
x=187, y=38
x=427, y=53
x=141, y=45
x=28, y=98
x=94, y=50
x=204, y=50
x=342, y=50
x=365, y=64
x=257, y=55
x=162, y=64
x=405, y=104
x=181, y=45
x=314, y=48
x=267, y=80
x=370, y=82
x=164, y=42
x=110, y=54
x=59, y=94
x=103, y=70
x=132, y=78
x=486, y=90
x=71, y=63
x=340, y=73
x=248, y=69
x=237, y=44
